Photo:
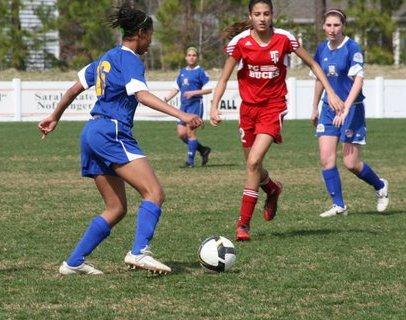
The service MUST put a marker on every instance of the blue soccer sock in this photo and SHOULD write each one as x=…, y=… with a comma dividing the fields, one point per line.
x=97, y=231
x=370, y=177
x=147, y=219
x=192, y=147
x=333, y=185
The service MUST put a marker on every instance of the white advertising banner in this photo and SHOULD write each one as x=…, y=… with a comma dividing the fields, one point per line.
x=31, y=101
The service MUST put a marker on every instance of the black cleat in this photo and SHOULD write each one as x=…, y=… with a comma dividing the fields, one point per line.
x=205, y=155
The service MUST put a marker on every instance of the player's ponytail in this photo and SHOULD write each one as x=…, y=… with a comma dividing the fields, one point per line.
x=236, y=28
x=129, y=19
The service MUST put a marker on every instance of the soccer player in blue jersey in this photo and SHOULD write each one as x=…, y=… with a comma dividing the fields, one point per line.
x=342, y=61
x=192, y=83
x=109, y=153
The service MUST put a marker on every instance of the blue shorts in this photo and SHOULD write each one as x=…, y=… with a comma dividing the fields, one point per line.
x=194, y=108
x=353, y=130
x=105, y=142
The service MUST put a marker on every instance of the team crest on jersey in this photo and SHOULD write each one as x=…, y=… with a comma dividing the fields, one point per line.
x=320, y=128
x=274, y=56
x=349, y=133
x=358, y=57
x=332, y=71
x=185, y=81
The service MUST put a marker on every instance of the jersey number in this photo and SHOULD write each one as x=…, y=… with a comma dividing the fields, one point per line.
x=102, y=69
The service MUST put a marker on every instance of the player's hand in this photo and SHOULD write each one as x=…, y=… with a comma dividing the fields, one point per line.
x=47, y=125
x=215, y=117
x=189, y=94
x=314, y=118
x=335, y=103
x=340, y=118
x=192, y=120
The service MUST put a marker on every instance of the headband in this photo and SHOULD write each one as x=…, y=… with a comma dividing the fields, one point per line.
x=145, y=20
x=335, y=11
x=193, y=49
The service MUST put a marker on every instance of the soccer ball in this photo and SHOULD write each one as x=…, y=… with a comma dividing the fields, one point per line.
x=217, y=254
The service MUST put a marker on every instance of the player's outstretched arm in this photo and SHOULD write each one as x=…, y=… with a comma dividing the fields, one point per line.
x=334, y=101
x=220, y=89
x=49, y=124
x=171, y=94
x=152, y=101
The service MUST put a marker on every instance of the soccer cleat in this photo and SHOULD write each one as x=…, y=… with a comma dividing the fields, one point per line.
x=382, y=197
x=187, y=165
x=271, y=202
x=84, y=268
x=205, y=155
x=334, y=210
x=145, y=261
x=243, y=233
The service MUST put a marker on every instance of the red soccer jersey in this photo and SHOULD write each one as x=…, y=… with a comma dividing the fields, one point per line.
x=262, y=69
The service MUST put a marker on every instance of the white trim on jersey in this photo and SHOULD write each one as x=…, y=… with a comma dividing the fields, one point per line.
x=293, y=41
x=189, y=68
x=135, y=86
x=356, y=70
x=231, y=45
x=82, y=77
x=340, y=46
x=128, y=49
x=130, y=156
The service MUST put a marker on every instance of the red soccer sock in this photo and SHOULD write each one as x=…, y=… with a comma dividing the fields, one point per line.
x=248, y=202
x=268, y=185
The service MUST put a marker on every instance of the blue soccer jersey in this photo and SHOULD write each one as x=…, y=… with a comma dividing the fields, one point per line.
x=190, y=80
x=117, y=76
x=341, y=65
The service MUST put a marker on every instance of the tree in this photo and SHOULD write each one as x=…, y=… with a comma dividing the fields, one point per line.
x=319, y=10
x=374, y=25
x=83, y=30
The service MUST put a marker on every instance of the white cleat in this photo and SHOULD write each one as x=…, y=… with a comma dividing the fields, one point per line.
x=146, y=261
x=334, y=210
x=382, y=197
x=84, y=268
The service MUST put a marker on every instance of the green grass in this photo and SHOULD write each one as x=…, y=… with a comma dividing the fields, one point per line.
x=297, y=267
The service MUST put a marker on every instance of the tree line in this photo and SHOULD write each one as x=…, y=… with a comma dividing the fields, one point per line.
x=83, y=32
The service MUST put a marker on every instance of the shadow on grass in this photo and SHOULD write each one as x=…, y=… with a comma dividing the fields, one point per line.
x=375, y=213
x=315, y=232
x=185, y=267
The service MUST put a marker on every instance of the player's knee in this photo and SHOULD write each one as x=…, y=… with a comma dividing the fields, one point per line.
x=351, y=165
x=156, y=195
x=327, y=163
x=253, y=164
x=182, y=136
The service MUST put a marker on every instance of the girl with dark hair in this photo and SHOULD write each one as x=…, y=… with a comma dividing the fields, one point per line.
x=260, y=50
x=109, y=153
x=342, y=61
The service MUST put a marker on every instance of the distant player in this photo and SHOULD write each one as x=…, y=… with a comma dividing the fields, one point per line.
x=192, y=83
x=109, y=153
x=260, y=50
x=342, y=61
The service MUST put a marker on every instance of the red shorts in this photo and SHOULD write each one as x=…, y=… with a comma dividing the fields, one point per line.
x=261, y=119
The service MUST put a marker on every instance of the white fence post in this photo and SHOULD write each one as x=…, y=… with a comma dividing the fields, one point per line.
x=17, y=98
x=292, y=98
x=380, y=97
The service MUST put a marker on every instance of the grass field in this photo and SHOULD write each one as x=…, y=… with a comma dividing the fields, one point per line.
x=297, y=267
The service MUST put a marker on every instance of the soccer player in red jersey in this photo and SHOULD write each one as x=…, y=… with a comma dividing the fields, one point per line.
x=260, y=50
